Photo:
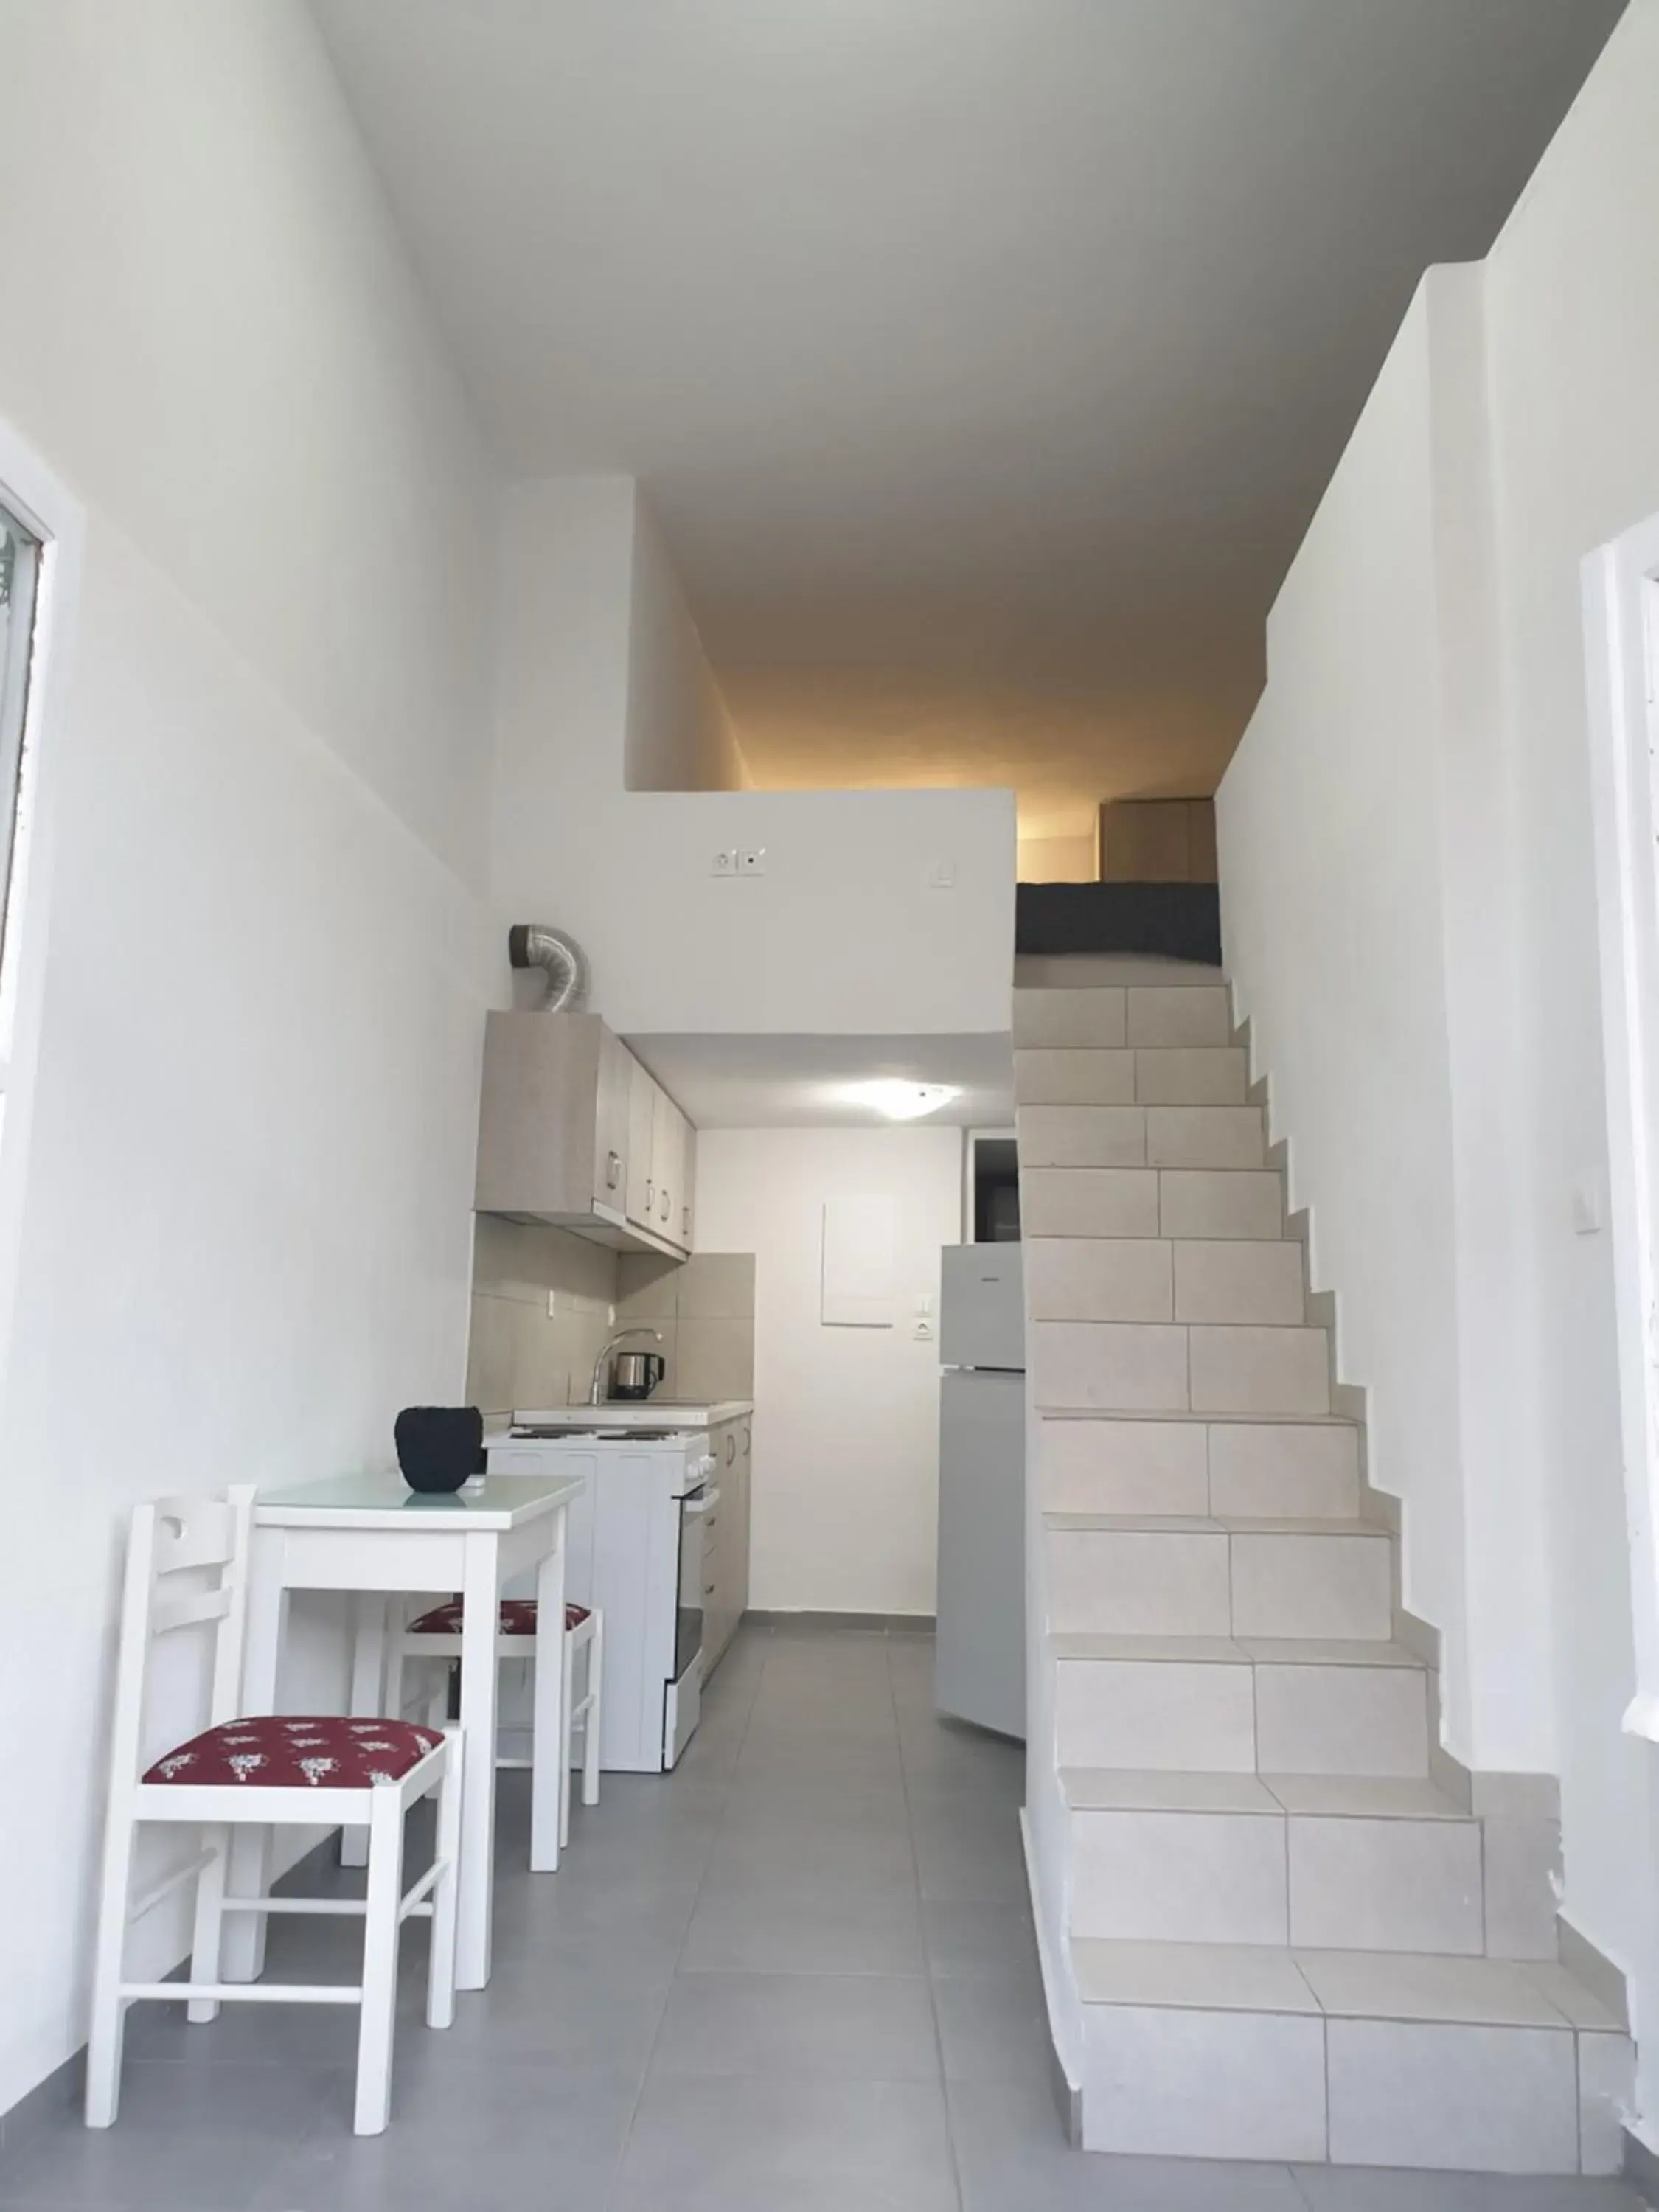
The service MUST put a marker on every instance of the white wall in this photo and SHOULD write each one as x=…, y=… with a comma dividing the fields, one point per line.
x=1573, y=306
x=679, y=735
x=1329, y=821
x=1059, y=860
x=1409, y=905
x=245, y=1238
x=846, y=1496
x=811, y=947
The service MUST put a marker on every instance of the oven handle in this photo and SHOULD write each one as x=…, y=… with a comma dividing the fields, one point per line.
x=702, y=1502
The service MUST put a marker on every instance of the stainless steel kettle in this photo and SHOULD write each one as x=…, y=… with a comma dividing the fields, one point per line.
x=635, y=1374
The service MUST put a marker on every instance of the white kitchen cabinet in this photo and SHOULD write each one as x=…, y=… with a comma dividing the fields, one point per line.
x=644, y=1096
x=688, y=1210
x=573, y=1131
x=667, y=1152
x=725, y=1572
x=612, y=1141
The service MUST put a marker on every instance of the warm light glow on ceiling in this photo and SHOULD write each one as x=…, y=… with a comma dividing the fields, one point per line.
x=901, y=1101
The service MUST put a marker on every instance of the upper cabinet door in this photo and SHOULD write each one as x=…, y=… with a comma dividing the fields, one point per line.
x=642, y=1178
x=688, y=1214
x=611, y=1146
x=667, y=1161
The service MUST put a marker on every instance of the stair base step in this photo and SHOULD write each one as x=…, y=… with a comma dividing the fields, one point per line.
x=1476, y=2065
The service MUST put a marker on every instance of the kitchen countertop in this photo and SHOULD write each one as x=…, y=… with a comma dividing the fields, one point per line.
x=637, y=1414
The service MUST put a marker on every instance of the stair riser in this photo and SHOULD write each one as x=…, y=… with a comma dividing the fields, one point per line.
x=1184, y=1017
x=1259, y=1371
x=1355, y=1885
x=1251, y=1469
x=1219, y=1203
x=1093, y=1076
x=1156, y=1279
x=1162, y=2081
x=1469, y=2099
x=1213, y=1204
x=1359, y=1885
x=1125, y=1467
x=1263, y=1469
x=1174, y=1716
x=1198, y=1583
x=1214, y=1137
x=1318, y=1585
x=1139, y=1367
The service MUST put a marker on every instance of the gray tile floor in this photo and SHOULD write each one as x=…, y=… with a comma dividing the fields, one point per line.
x=797, y=1976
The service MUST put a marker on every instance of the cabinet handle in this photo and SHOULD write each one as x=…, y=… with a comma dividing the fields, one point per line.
x=685, y=1221
x=649, y=1199
x=667, y=1206
x=612, y=1169
x=745, y=1440
x=731, y=1449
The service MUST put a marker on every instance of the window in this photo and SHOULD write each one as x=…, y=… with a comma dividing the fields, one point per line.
x=20, y=571
x=1621, y=600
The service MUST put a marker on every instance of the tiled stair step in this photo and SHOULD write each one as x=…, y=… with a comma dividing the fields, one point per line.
x=1181, y=1463
x=1212, y=1203
x=1373, y=1863
x=1158, y=1279
x=1240, y=1705
x=1221, y=1137
x=1131, y=1367
x=1138, y=1574
x=1174, y=1017
x=1360, y=2058
x=1092, y=1075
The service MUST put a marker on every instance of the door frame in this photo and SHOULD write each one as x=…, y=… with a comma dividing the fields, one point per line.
x=1621, y=625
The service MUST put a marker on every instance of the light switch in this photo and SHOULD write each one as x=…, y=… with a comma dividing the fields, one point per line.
x=944, y=876
x=1589, y=1208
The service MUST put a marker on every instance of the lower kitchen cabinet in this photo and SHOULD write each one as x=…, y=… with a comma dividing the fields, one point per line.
x=725, y=1534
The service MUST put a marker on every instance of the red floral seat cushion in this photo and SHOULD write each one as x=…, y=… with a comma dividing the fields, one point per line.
x=518, y=1618
x=284, y=1751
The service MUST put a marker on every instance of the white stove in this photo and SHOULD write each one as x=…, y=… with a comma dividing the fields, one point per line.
x=636, y=1550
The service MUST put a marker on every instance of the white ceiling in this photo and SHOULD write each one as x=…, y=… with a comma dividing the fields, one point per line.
x=983, y=359
x=801, y=1082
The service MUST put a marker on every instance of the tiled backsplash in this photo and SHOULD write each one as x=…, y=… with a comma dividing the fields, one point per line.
x=706, y=1311
x=522, y=1355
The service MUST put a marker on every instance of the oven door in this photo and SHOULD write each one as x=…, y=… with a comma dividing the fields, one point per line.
x=695, y=1508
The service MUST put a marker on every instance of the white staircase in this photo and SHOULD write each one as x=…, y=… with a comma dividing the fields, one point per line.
x=1281, y=1929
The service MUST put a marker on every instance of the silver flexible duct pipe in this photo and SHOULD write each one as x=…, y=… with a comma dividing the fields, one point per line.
x=533, y=945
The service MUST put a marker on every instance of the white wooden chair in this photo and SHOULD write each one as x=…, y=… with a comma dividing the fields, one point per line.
x=437, y=1635
x=280, y=1770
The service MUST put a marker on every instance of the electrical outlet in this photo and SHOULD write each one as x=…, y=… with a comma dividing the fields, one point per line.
x=724, y=864
x=921, y=1329
x=752, y=860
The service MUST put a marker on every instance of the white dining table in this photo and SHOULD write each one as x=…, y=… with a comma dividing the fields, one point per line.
x=372, y=1536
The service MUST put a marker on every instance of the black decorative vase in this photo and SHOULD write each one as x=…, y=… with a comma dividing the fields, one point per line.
x=438, y=1446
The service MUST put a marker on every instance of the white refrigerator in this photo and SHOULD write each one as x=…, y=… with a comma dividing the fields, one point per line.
x=980, y=1664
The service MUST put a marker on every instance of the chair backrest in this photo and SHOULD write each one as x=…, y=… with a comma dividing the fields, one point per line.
x=204, y=1543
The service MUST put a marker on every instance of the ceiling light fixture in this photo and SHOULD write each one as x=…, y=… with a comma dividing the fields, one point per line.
x=901, y=1101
